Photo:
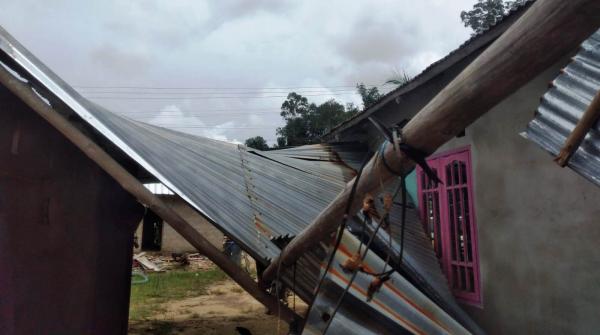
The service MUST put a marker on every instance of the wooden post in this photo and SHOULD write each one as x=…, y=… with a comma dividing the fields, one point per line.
x=587, y=121
x=546, y=32
x=139, y=191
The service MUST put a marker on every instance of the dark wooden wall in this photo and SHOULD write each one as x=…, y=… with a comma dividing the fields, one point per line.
x=66, y=232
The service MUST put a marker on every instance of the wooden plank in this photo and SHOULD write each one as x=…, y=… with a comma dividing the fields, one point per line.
x=544, y=34
x=587, y=121
x=146, y=263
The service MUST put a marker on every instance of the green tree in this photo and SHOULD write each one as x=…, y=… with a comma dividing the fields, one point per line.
x=295, y=111
x=369, y=95
x=324, y=117
x=352, y=109
x=295, y=106
x=485, y=13
x=295, y=132
x=257, y=142
x=306, y=123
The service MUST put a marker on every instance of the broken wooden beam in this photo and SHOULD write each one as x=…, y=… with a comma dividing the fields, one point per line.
x=587, y=121
x=548, y=31
x=140, y=192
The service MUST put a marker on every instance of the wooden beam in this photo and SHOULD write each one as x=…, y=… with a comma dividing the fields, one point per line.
x=587, y=121
x=139, y=191
x=548, y=31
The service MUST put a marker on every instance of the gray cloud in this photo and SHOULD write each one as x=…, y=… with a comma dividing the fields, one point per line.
x=370, y=41
x=237, y=43
x=119, y=61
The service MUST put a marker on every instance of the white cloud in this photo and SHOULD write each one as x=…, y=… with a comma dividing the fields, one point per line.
x=172, y=117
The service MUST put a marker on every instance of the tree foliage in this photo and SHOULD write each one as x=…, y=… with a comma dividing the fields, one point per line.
x=485, y=13
x=369, y=95
x=295, y=106
x=399, y=79
x=306, y=122
x=257, y=142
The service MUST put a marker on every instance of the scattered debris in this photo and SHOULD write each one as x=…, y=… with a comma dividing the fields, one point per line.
x=160, y=262
x=197, y=261
x=146, y=263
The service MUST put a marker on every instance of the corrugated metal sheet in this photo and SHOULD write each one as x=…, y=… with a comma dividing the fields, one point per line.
x=399, y=307
x=419, y=263
x=257, y=198
x=251, y=197
x=564, y=104
x=350, y=154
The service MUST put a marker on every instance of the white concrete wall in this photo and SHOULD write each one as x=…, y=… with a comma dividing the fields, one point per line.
x=172, y=241
x=538, y=224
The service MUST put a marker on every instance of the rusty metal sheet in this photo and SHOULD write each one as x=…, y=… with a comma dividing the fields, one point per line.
x=397, y=308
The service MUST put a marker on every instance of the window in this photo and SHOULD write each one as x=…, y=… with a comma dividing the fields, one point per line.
x=448, y=216
x=152, y=232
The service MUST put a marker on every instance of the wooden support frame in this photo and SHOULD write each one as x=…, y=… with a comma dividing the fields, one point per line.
x=144, y=196
x=546, y=32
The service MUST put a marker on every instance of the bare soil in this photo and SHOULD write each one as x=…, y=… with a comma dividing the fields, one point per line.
x=225, y=307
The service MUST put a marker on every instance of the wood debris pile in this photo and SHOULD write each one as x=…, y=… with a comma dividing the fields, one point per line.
x=160, y=263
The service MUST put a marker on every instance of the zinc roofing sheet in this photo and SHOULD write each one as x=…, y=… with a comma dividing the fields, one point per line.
x=563, y=105
x=397, y=308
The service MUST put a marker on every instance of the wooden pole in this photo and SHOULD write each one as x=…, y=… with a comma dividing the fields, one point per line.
x=139, y=191
x=546, y=32
x=587, y=121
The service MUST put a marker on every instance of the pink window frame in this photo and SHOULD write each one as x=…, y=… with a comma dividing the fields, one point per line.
x=438, y=162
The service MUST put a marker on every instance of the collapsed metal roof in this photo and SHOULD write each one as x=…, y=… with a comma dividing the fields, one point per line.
x=259, y=198
x=564, y=104
x=400, y=307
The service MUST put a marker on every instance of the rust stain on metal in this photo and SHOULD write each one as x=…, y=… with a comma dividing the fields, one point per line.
x=262, y=228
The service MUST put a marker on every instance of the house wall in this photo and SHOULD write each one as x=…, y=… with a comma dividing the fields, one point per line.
x=538, y=227
x=538, y=224
x=66, y=231
x=172, y=241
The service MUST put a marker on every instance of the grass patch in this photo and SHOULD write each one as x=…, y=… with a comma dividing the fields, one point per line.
x=173, y=285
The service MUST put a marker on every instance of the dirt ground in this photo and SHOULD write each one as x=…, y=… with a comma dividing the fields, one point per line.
x=226, y=307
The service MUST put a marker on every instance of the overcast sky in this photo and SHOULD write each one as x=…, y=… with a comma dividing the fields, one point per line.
x=221, y=69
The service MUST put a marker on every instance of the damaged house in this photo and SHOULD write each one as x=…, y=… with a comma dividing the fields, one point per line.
x=514, y=233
